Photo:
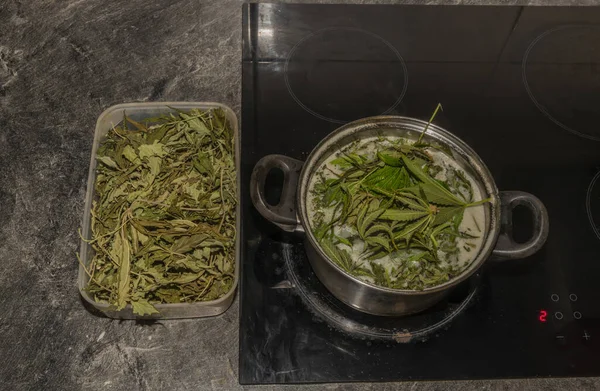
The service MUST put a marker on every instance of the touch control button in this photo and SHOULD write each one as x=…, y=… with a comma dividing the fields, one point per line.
x=586, y=337
x=573, y=297
x=558, y=315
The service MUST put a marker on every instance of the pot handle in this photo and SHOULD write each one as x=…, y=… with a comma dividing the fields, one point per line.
x=506, y=247
x=284, y=214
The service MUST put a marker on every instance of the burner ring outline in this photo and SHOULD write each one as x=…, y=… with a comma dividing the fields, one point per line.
x=321, y=31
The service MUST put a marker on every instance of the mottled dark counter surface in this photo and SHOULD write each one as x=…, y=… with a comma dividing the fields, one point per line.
x=61, y=64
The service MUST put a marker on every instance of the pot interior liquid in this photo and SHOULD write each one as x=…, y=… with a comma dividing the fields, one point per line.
x=473, y=223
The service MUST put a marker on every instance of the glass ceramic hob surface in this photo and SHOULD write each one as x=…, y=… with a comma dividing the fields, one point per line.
x=520, y=85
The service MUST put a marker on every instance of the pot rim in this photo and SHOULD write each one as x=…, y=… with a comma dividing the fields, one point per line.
x=436, y=133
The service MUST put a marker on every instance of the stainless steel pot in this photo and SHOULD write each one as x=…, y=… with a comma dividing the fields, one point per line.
x=291, y=214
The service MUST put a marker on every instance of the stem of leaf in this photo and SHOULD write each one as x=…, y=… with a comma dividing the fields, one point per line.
x=437, y=108
x=476, y=203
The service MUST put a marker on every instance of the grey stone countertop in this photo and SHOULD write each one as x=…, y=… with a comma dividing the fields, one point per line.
x=62, y=62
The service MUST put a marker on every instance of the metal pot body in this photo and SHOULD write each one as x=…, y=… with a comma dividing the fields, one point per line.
x=291, y=214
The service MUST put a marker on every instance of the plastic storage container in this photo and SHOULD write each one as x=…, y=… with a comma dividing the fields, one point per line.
x=139, y=111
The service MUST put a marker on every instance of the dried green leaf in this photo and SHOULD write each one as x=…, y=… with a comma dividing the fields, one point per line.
x=129, y=154
x=143, y=307
x=432, y=187
x=203, y=164
x=124, y=261
x=411, y=201
x=380, y=275
x=344, y=241
x=403, y=214
x=387, y=178
x=337, y=255
x=411, y=228
x=108, y=161
x=138, y=125
x=156, y=149
x=379, y=241
x=446, y=214
x=378, y=228
x=343, y=162
x=372, y=212
x=188, y=243
x=438, y=195
x=184, y=278
x=193, y=191
x=154, y=164
x=195, y=123
x=391, y=158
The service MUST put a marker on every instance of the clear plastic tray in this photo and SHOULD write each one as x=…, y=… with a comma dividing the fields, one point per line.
x=138, y=111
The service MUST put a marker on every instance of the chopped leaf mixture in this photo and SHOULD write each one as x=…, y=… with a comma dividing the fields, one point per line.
x=163, y=220
x=391, y=212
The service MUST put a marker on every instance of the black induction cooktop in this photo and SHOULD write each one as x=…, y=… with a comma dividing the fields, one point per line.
x=521, y=85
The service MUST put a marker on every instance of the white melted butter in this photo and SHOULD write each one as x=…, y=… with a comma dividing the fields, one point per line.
x=473, y=223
